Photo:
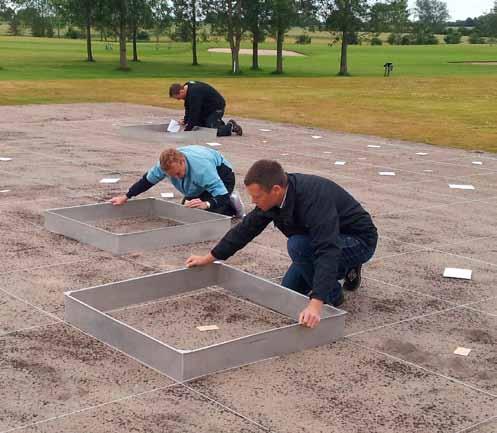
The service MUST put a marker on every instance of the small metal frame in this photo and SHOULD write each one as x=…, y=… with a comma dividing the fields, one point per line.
x=76, y=223
x=86, y=309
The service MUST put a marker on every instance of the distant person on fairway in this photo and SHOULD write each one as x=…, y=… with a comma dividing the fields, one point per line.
x=202, y=175
x=204, y=106
x=330, y=235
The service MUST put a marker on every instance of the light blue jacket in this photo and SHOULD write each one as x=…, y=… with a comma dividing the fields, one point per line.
x=201, y=174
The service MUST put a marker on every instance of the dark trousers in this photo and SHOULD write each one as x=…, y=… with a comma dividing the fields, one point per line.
x=215, y=120
x=224, y=207
x=300, y=274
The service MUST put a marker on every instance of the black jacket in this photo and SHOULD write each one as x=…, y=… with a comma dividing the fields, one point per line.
x=316, y=207
x=201, y=101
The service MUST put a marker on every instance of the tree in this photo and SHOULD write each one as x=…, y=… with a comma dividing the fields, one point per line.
x=186, y=14
x=452, y=36
x=114, y=15
x=257, y=14
x=161, y=17
x=432, y=16
x=38, y=15
x=140, y=14
x=346, y=17
x=390, y=16
x=283, y=12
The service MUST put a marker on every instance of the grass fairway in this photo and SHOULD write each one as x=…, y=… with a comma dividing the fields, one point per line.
x=427, y=99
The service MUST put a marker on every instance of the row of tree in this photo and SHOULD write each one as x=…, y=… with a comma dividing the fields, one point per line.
x=235, y=19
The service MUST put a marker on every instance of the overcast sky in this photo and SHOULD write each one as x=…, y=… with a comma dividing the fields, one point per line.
x=462, y=9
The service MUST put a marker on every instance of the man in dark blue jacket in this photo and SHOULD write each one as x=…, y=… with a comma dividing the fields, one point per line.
x=330, y=235
x=204, y=106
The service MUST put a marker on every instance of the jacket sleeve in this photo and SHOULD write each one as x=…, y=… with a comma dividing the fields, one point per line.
x=213, y=184
x=323, y=233
x=251, y=226
x=140, y=186
x=194, y=111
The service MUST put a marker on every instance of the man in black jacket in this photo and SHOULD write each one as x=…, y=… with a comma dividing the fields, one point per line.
x=204, y=106
x=330, y=235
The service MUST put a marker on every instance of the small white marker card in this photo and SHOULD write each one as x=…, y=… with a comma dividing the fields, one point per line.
x=173, y=126
x=265, y=130
x=374, y=146
x=456, y=186
x=167, y=194
x=464, y=274
x=4, y=190
x=214, y=144
x=421, y=153
x=463, y=351
x=207, y=328
x=387, y=173
x=327, y=151
x=317, y=137
x=5, y=159
x=428, y=171
x=340, y=162
x=110, y=180
x=477, y=163
x=284, y=154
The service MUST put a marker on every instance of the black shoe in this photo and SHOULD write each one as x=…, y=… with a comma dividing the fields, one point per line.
x=339, y=301
x=353, y=279
x=235, y=127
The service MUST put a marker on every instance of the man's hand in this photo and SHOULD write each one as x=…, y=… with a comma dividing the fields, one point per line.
x=193, y=261
x=119, y=200
x=311, y=316
x=181, y=122
x=196, y=203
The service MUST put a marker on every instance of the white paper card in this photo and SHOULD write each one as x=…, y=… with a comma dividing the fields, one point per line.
x=374, y=146
x=265, y=130
x=340, y=162
x=167, y=194
x=456, y=186
x=421, y=153
x=463, y=351
x=362, y=158
x=284, y=154
x=207, y=328
x=428, y=171
x=387, y=173
x=173, y=126
x=213, y=144
x=477, y=163
x=5, y=159
x=464, y=274
x=4, y=190
x=110, y=180
x=316, y=137
x=327, y=151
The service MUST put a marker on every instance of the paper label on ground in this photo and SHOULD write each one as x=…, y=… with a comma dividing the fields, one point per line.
x=110, y=180
x=362, y=158
x=374, y=146
x=421, y=153
x=340, y=162
x=167, y=194
x=264, y=130
x=4, y=190
x=214, y=144
x=428, y=171
x=207, y=328
x=456, y=186
x=327, y=152
x=387, y=173
x=284, y=154
x=173, y=126
x=3, y=158
x=477, y=163
x=463, y=351
x=316, y=137
x=464, y=274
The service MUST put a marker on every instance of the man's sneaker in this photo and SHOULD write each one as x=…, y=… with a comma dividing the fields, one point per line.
x=235, y=127
x=237, y=204
x=353, y=279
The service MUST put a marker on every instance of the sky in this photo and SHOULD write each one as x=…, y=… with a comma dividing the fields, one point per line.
x=462, y=9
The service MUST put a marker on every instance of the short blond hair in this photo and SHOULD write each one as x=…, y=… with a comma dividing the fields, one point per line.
x=169, y=157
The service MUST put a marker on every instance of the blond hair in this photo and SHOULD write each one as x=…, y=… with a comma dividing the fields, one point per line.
x=169, y=157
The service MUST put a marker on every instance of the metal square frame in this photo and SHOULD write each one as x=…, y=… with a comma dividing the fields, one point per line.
x=87, y=310
x=76, y=223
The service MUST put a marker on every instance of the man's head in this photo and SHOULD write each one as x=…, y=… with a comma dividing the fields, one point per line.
x=173, y=163
x=177, y=91
x=266, y=183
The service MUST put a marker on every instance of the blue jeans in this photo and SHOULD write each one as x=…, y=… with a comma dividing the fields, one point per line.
x=300, y=274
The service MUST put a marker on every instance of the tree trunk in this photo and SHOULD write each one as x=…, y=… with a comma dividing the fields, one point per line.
x=135, y=48
x=194, y=33
x=89, y=50
x=280, y=36
x=255, y=50
x=123, y=61
x=343, y=55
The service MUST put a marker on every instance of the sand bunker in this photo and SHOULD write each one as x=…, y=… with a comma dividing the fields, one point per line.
x=483, y=62
x=247, y=51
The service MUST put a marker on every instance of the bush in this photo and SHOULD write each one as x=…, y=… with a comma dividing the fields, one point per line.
x=452, y=37
x=406, y=40
x=394, y=39
x=475, y=38
x=303, y=39
x=142, y=35
x=424, y=38
x=73, y=33
x=376, y=41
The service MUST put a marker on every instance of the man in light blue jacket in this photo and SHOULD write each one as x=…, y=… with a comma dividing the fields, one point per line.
x=201, y=174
